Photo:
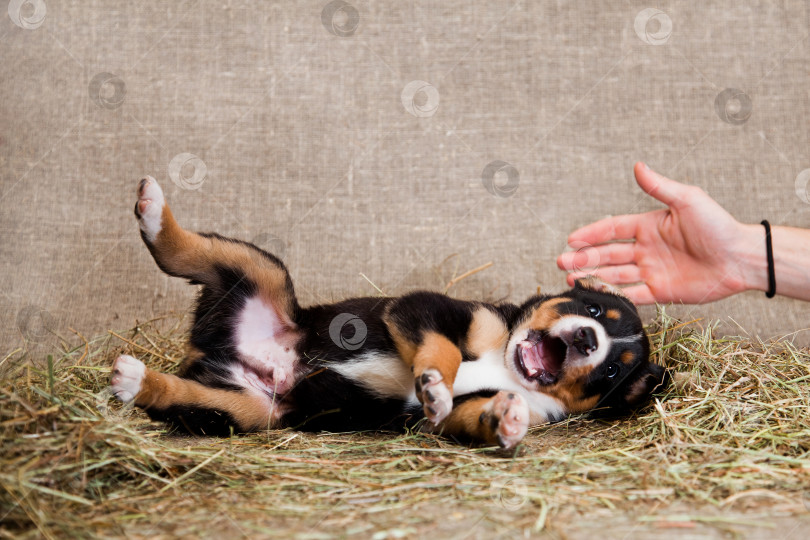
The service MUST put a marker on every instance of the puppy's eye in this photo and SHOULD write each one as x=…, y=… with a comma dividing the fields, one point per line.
x=612, y=371
x=593, y=310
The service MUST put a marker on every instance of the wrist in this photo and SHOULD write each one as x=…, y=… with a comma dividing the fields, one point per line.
x=749, y=256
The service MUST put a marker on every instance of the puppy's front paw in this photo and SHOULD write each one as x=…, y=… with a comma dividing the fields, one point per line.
x=127, y=377
x=436, y=398
x=149, y=208
x=510, y=418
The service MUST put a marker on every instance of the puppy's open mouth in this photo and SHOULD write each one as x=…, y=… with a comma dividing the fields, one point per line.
x=540, y=357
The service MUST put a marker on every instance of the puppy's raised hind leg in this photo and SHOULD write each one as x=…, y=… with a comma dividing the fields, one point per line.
x=209, y=259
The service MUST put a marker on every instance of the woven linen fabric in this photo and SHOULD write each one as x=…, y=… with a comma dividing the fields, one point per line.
x=381, y=145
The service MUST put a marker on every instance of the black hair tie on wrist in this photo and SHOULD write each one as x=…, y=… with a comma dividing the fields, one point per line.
x=771, y=292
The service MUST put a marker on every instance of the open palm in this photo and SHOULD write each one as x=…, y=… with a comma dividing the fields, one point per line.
x=680, y=254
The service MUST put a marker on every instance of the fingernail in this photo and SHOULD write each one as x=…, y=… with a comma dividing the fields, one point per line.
x=646, y=167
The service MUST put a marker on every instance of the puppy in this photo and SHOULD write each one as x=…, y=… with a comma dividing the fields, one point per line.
x=477, y=372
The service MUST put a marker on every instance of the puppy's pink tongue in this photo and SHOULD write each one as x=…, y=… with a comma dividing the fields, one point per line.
x=532, y=359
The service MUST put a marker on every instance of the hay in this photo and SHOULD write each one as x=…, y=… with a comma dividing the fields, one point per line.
x=731, y=436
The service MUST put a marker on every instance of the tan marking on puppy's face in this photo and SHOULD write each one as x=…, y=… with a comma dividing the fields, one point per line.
x=487, y=332
x=627, y=357
x=545, y=314
x=570, y=389
x=613, y=314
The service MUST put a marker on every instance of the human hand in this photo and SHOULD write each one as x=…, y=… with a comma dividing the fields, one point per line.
x=689, y=252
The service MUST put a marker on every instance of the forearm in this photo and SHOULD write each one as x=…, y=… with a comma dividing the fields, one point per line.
x=791, y=254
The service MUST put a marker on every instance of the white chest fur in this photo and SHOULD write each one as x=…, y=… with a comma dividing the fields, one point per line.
x=489, y=373
x=257, y=336
x=387, y=376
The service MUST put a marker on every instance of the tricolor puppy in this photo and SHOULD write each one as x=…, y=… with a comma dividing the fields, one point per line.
x=478, y=372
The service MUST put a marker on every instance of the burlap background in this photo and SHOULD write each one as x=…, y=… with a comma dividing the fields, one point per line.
x=298, y=118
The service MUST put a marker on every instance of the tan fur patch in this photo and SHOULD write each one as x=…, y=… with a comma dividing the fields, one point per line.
x=627, y=357
x=570, y=389
x=405, y=347
x=193, y=256
x=437, y=352
x=161, y=391
x=614, y=314
x=545, y=314
x=466, y=420
x=487, y=332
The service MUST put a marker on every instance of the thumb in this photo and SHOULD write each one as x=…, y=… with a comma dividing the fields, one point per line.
x=662, y=188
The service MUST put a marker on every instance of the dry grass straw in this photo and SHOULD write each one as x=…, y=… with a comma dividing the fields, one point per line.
x=731, y=435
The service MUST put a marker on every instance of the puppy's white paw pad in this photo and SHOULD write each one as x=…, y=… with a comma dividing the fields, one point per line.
x=149, y=207
x=436, y=398
x=512, y=412
x=127, y=377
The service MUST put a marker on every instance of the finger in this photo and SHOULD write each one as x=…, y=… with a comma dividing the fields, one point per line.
x=656, y=185
x=592, y=257
x=615, y=275
x=607, y=230
x=639, y=294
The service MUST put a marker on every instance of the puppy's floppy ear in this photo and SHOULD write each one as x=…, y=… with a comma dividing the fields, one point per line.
x=593, y=283
x=651, y=379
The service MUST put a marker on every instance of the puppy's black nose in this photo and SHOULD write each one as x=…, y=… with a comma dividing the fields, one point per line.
x=585, y=340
